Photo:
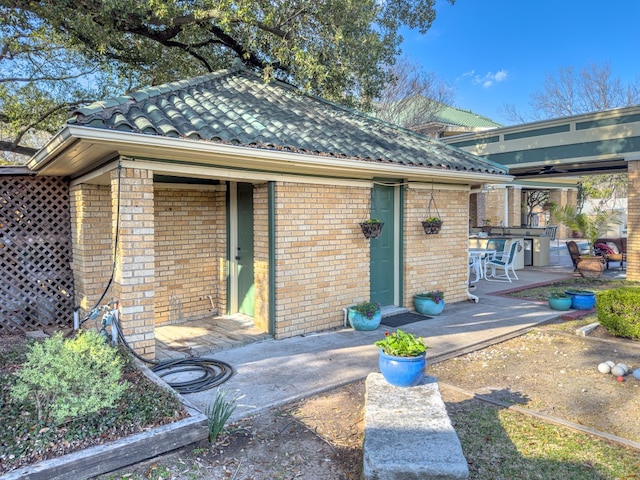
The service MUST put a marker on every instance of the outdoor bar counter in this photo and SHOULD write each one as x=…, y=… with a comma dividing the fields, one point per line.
x=535, y=251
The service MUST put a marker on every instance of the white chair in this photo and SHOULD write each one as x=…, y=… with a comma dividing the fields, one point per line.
x=504, y=262
x=475, y=264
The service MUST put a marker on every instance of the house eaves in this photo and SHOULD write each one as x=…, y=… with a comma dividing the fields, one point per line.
x=75, y=151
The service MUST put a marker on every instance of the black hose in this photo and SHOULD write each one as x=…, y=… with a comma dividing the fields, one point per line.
x=213, y=372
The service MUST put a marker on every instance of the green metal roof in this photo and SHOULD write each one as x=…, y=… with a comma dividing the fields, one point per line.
x=464, y=118
x=237, y=107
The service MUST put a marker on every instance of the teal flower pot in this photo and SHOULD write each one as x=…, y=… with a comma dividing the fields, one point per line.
x=426, y=306
x=560, y=303
x=359, y=321
x=402, y=371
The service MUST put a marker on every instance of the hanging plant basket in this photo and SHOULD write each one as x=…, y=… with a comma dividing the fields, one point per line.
x=433, y=222
x=371, y=229
x=432, y=226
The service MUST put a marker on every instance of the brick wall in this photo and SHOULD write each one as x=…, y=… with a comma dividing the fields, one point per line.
x=322, y=258
x=92, y=243
x=261, y=256
x=134, y=279
x=436, y=262
x=187, y=252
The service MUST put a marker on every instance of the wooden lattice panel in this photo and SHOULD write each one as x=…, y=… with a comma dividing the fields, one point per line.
x=36, y=282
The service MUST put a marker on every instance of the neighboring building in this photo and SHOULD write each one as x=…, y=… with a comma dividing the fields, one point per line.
x=449, y=121
x=223, y=193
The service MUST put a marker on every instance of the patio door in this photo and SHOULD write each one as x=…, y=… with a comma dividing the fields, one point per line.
x=383, y=271
x=241, y=281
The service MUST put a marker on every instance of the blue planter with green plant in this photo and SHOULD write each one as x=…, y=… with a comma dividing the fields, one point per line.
x=364, y=316
x=429, y=303
x=402, y=358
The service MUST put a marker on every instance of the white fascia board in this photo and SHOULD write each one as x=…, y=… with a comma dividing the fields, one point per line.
x=180, y=149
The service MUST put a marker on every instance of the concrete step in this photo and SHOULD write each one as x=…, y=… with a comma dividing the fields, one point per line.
x=408, y=434
x=391, y=310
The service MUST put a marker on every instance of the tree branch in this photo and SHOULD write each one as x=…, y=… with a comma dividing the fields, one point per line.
x=19, y=149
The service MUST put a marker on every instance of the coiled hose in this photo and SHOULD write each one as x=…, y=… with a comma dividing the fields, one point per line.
x=212, y=372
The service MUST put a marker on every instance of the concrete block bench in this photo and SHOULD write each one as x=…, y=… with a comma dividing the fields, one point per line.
x=408, y=434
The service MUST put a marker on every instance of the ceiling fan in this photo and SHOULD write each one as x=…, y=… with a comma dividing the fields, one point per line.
x=549, y=169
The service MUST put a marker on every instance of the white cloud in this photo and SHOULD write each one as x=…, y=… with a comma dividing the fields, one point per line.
x=489, y=79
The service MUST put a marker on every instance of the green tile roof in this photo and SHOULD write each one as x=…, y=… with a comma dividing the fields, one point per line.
x=237, y=107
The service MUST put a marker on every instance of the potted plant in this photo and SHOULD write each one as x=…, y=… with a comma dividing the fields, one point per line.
x=401, y=358
x=486, y=225
x=432, y=225
x=590, y=227
x=429, y=303
x=558, y=300
x=582, y=299
x=364, y=316
x=372, y=228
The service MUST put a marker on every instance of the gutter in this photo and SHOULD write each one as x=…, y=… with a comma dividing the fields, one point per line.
x=138, y=144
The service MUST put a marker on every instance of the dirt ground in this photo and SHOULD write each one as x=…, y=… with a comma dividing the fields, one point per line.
x=550, y=370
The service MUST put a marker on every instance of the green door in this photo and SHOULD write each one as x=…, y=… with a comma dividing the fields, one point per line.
x=382, y=269
x=244, y=254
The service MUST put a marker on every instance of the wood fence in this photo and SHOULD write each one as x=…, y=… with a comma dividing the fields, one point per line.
x=36, y=281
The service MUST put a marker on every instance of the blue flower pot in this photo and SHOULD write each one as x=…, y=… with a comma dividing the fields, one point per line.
x=402, y=371
x=582, y=299
x=560, y=303
x=426, y=306
x=359, y=321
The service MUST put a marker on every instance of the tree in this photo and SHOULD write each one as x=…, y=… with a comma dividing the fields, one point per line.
x=535, y=199
x=571, y=92
x=58, y=54
x=413, y=97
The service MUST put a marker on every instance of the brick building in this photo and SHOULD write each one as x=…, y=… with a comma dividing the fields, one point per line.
x=224, y=194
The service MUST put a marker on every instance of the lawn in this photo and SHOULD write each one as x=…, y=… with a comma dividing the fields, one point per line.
x=541, y=293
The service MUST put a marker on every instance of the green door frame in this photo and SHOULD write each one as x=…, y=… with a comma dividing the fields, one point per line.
x=394, y=228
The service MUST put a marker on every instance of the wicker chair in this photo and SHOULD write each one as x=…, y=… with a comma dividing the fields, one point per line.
x=574, y=251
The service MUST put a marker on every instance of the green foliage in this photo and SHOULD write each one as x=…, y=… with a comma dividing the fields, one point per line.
x=619, y=311
x=435, y=295
x=401, y=344
x=337, y=49
x=219, y=411
x=368, y=309
x=590, y=226
x=69, y=378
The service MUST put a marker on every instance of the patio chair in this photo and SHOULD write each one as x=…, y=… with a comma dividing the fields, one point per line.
x=506, y=263
x=574, y=252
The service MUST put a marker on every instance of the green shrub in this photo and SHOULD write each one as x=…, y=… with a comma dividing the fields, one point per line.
x=619, y=311
x=69, y=378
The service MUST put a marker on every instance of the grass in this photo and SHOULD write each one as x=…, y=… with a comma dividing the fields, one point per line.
x=24, y=440
x=501, y=444
x=541, y=293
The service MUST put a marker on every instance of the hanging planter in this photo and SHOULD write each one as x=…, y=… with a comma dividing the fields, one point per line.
x=371, y=228
x=432, y=223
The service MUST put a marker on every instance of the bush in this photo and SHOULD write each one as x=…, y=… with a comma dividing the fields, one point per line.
x=619, y=311
x=70, y=378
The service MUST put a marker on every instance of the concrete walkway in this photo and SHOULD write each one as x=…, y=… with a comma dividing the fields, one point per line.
x=275, y=372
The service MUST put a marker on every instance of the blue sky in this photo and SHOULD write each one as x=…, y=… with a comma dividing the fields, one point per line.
x=494, y=52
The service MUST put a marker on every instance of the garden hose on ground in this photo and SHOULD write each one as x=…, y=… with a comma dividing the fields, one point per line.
x=212, y=372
